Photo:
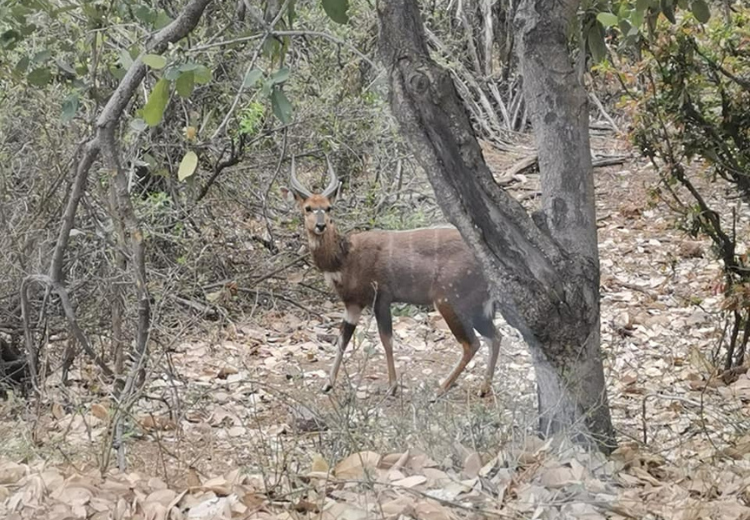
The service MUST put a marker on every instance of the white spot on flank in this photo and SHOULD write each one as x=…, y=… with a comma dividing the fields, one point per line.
x=489, y=309
x=332, y=277
x=351, y=315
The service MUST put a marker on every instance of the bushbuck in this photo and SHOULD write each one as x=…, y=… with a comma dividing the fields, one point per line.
x=428, y=266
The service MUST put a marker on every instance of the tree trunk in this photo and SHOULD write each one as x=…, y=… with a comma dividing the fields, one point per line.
x=544, y=271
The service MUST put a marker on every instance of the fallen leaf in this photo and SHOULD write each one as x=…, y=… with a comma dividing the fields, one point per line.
x=319, y=464
x=355, y=465
x=410, y=482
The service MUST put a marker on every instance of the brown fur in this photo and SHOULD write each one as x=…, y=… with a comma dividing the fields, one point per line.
x=431, y=266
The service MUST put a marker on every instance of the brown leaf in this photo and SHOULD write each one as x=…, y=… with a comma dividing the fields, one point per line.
x=75, y=495
x=319, y=464
x=472, y=465
x=305, y=506
x=402, y=506
x=354, y=465
x=219, y=485
x=425, y=510
x=163, y=496
x=410, y=482
x=10, y=473
x=99, y=411
x=193, y=480
x=226, y=371
x=57, y=411
x=557, y=477
x=153, y=422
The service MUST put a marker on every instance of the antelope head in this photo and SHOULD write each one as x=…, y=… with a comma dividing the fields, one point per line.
x=316, y=207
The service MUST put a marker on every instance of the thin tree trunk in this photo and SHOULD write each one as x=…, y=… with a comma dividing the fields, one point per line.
x=489, y=36
x=132, y=235
x=544, y=272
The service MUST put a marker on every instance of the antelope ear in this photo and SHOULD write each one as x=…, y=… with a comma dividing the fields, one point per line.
x=289, y=195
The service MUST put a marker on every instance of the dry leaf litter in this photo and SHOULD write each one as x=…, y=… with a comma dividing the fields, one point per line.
x=238, y=428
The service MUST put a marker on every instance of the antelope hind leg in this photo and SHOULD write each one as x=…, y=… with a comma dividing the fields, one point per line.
x=465, y=336
x=385, y=329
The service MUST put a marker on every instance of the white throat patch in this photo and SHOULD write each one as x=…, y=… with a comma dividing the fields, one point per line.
x=332, y=277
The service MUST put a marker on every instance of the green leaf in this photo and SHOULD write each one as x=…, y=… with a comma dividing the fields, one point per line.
x=607, y=19
x=39, y=77
x=125, y=59
x=41, y=57
x=22, y=65
x=202, y=75
x=251, y=78
x=9, y=39
x=595, y=41
x=700, y=11
x=145, y=14
x=641, y=5
x=265, y=90
x=65, y=67
x=292, y=14
x=155, y=61
x=69, y=107
x=117, y=72
x=336, y=10
x=185, y=84
x=29, y=29
x=162, y=20
x=172, y=73
x=188, y=67
x=157, y=102
x=281, y=106
x=280, y=76
x=187, y=166
x=636, y=18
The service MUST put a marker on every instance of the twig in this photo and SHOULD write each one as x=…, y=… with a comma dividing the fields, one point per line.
x=205, y=309
x=280, y=297
x=604, y=113
x=280, y=269
x=268, y=191
x=330, y=38
x=69, y=314
x=530, y=161
x=254, y=59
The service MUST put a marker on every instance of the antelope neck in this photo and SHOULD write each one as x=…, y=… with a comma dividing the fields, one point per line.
x=328, y=250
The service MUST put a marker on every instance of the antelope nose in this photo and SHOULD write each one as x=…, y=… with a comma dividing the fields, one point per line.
x=320, y=227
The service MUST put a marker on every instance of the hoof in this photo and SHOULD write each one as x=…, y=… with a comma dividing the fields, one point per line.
x=326, y=388
x=392, y=390
x=439, y=394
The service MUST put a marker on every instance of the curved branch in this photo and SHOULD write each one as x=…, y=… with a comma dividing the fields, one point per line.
x=178, y=29
x=58, y=288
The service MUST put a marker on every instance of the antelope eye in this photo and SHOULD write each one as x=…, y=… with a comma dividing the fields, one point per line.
x=308, y=209
x=328, y=209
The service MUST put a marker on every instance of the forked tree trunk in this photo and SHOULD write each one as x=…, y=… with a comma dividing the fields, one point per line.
x=545, y=270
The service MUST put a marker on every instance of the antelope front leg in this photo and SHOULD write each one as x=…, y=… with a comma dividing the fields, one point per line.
x=351, y=318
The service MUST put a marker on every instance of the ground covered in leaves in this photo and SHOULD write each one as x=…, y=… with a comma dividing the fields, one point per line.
x=237, y=427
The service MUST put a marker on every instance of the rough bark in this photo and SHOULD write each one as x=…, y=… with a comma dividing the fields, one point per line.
x=544, y=271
